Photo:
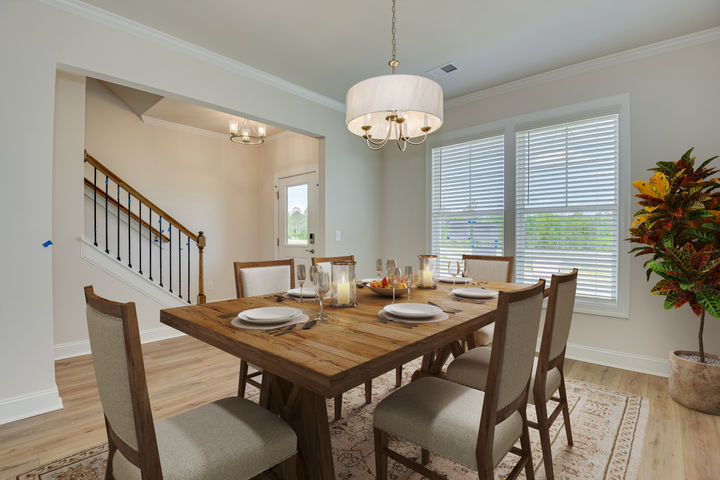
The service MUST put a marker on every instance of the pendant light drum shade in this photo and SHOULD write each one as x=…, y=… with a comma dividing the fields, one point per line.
x=417, y=100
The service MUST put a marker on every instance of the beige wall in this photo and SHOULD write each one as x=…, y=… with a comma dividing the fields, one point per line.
x=674, y=104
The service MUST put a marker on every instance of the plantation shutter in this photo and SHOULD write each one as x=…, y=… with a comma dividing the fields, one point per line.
x=567, y=204
x=467, y=199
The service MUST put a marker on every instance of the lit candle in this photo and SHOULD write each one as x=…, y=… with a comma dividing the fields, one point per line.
x=343, y=293
x=427, y=276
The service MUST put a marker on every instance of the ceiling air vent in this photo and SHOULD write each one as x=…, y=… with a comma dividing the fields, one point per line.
x=441, y=71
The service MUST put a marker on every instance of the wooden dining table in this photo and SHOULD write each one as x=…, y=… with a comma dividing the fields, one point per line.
x=302, y=368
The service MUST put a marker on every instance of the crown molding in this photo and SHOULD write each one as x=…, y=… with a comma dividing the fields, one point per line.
x=138, y=29
x=664, y=46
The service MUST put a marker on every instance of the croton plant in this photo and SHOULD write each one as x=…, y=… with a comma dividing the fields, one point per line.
x=679, y=225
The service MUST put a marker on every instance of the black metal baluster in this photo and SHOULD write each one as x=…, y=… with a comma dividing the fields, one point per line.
x=150, y=240
x=170, y=255
x=160, y=229
x=140, y=235
x=129, y=257
x=118, y=223
x=179, y=264
x=188, y=269
x=95, y=206
x=107, y=250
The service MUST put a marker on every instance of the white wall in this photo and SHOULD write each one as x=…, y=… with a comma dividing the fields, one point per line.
x=674, y=104
x=35, y=40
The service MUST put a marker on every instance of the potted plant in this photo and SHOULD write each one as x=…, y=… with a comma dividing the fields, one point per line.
x=679, y=225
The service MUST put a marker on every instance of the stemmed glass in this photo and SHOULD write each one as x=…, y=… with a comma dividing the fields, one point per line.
x=323, y=287
x=314, y=273
x=408, y=279
x=301, y=279
x=379, y=268
x=394, y=279
x=389, y=265
x=454, y=270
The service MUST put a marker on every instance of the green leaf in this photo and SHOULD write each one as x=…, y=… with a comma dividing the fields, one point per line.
x=712, y=226
x=703, y=235
x=664, y=267
x=669, y=239
x=706, y=162
x=665, y=287
x=686, y=285
x=710, y=301
x=680, y=258
x=694, y=214
x=668, y=168
x=649, y=271
x=670, y=300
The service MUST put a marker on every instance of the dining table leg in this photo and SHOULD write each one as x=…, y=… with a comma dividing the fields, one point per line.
x=306, y=413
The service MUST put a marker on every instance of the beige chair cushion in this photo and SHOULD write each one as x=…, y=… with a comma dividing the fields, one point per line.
x=487, y=270
x=444, y=417
x=230, y=438
x=471, y=369
x=486, y=334
x=265, y=280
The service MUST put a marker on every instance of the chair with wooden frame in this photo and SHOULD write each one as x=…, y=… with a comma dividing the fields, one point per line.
x=260, y=278
x=474, y=428
x=323, y=262
x=484, y=268
x=472, y=368
x=229, y=438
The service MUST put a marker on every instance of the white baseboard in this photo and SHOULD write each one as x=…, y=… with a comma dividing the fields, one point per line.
x=82, y=347
x=613, y=358
x=29, y=405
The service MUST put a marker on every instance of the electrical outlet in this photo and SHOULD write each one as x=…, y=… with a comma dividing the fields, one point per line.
x=337, y=235
x=210, y=285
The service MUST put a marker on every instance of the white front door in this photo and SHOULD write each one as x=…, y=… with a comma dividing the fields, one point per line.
x=297, y=200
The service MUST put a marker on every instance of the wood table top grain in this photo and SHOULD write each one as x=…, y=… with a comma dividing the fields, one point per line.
x=351, y=347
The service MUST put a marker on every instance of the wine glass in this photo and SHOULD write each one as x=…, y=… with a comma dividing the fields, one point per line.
x=408, y=279
x=454, y=270
x=389, y=265
x=379, y=268
x=301, y=279
x=394, y=279
x=323, y=287
x=315, y=271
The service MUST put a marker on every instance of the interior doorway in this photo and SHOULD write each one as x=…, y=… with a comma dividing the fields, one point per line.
x=297, y=215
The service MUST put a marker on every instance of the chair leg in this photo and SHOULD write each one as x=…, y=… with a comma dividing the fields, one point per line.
x=242, y=381
x=526, y=447
x=381, y=459
x=338, y=407
x=289, y=468
x=544, y=430
x=424, y=456
x=368, y=391
x=565, y=411
x=398, y=376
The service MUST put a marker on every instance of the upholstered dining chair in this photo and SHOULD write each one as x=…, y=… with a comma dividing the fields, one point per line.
x=229, y=438
x=472, y=368
x=260, y=278
x=474, y=428
x=482, y=268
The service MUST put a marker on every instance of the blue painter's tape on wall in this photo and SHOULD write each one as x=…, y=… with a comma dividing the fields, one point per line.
x=47, y=244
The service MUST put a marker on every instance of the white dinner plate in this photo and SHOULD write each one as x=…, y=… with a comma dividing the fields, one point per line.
x=436, y=318
x=238, y=322
x=458, y=280
x=475, y=293
x=266, y=315
x=307, y=292
x=412, y=310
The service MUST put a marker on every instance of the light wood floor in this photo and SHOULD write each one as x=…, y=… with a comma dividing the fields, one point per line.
x=184, y=373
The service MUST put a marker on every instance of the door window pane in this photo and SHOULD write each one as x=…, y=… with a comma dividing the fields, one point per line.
x=297, y=214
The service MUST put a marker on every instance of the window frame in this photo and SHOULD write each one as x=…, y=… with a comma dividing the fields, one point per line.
x=618, y=104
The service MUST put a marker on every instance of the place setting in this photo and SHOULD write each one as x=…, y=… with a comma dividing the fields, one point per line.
x=412, y=314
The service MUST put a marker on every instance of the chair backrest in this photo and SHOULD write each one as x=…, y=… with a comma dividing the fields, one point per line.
x=561, y=303
x=120, y=373
x=488, y=268
x=324, y=262
x=262, y=278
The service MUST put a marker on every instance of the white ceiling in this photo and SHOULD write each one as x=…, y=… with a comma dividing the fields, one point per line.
x=328, y=45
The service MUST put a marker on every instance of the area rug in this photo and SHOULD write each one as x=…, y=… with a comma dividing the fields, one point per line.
x=608, y=430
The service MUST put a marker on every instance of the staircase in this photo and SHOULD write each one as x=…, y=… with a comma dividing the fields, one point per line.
x=129, y=228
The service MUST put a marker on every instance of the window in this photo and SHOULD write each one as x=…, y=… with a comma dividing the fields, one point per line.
x=467, y=199
x=553, y=191
x=297, y=214
x=566, y=204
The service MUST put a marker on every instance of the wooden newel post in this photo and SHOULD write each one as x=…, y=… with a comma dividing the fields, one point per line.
x=201, y=274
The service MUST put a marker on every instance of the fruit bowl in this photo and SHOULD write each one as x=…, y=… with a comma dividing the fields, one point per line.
x=388, y=292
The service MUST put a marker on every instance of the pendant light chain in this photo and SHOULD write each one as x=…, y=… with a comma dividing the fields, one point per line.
x=393, y=63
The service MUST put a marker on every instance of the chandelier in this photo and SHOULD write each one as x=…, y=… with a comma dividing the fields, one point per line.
x=247, y=132
x=404, y=108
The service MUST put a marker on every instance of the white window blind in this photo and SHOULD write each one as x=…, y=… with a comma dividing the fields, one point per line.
x=567, y=204
x=467, y=199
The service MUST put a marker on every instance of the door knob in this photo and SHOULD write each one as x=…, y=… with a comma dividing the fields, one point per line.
x=312, y=250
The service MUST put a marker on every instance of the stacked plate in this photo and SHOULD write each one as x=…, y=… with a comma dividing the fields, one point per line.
x=474, y=293
x=412, y=313
x=458, y=280
x=307, y=292
x=268, y=317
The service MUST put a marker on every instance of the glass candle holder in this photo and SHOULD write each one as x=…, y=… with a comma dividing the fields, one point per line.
x=344, y=289
x=428, y=271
